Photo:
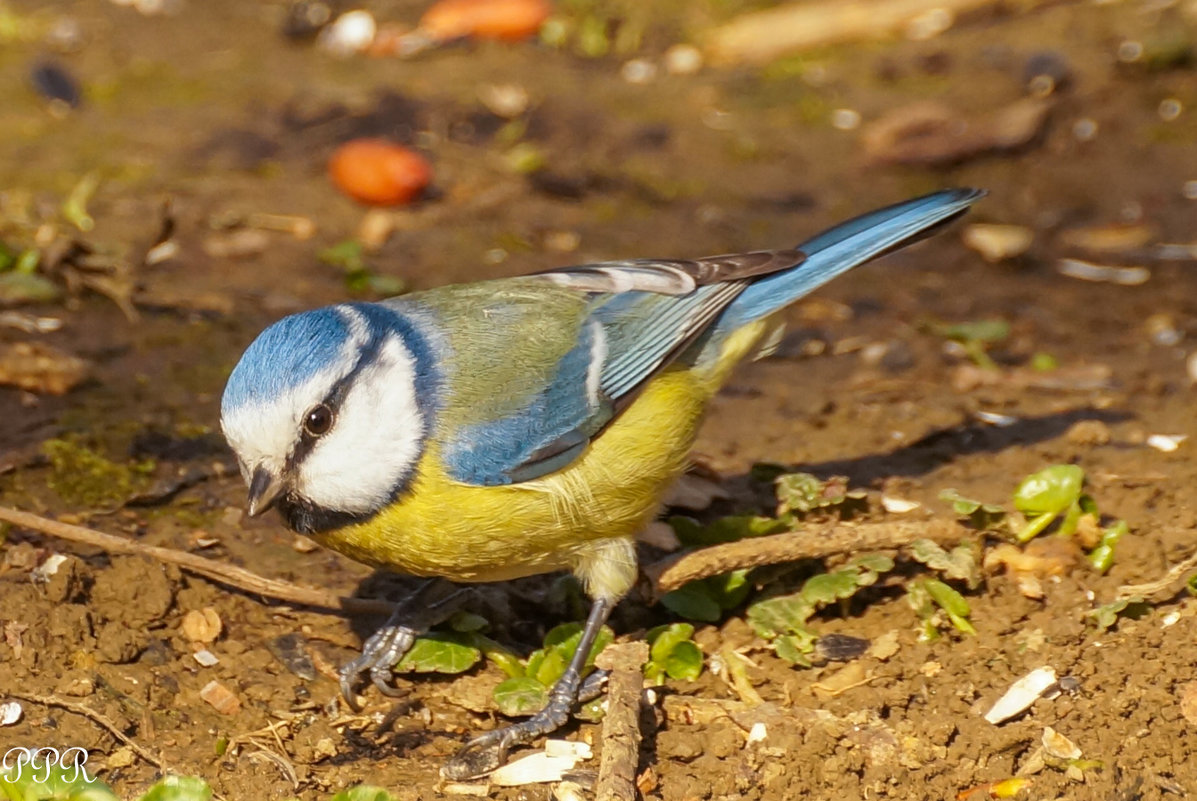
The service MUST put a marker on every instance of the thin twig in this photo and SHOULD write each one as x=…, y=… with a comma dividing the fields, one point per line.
x=813, y=542
x=225, y=574
x=621, y=723
x=95, y=717
x=1169, y=581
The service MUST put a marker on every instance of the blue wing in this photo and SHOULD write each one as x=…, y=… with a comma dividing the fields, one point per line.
x=641, y=314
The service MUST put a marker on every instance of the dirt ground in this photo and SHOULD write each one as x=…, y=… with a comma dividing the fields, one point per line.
x=213, y=110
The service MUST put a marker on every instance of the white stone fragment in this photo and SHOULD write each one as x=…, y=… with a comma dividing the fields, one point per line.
x=10, y=713
x=1021, y=695
x=1166, y=443
x=898, y=506
x=549, y=765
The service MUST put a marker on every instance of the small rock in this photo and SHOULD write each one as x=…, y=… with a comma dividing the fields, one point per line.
x=1162, y=330
x=638, y=71
x=206, y=658
x=1103, y=273
x=202, y=625
x=1021, y=695
x=1089, y=433
x=1166, y=443
x=351, y=33
x=1059, y=746
x=683, y=59
x=221, y=698
x=1188, y=702
x=998, y=242
x=506, y=100
x=10, y=713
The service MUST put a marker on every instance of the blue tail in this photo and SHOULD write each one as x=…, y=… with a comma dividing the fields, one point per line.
x=845, y=246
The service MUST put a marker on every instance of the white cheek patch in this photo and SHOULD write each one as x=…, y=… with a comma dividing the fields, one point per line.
x=375, y=440
x=264, y=433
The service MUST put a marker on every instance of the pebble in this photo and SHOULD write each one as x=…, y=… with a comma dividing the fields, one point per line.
x=683, y=59
x=1103, y=273
x=997, y=242
x=1021, y=695
x=350, y=34
x=639, y=71
x=1088, y=433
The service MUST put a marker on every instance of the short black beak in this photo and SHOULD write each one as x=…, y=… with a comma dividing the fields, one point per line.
x=264, y=489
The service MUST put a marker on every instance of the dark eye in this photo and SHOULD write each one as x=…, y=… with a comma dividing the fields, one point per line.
x=318, y=421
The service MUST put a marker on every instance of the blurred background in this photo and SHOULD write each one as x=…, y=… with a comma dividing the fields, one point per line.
x=176, y=174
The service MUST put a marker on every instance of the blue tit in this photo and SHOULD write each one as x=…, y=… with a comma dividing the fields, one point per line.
x=486, y=431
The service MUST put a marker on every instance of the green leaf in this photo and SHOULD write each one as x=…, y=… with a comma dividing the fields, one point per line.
x=521, y=696
x=802, y=492
x=869, y=567
x=440, y=652
x=552, y=666
x=959, y=563
x=725, y=529
x=975, y=331
x=18, y=287
x=506, y=661
x=796, y=648
x=1106, y=615
x=825, y=588
x=347, y=255
x=684, y=661
x=707, y=599
x=1102, y=555
x=779, y=615
x=179, y=788
x=363, y=792
x=982, y=516
x=664, y=639
x=952, y=602
x=693, y=601
x=1051, y=490
x=466, y=622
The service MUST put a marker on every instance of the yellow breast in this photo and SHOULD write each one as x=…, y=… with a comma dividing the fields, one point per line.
x=581, y=517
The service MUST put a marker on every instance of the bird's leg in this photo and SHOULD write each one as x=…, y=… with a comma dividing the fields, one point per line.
x=483, y=754
x=385, y=647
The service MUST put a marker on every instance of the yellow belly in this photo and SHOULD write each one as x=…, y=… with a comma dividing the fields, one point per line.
x=582, y=517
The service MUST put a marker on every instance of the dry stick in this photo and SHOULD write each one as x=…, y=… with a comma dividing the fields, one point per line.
x=1169, y=581
x=621, y=723
x=96, y=717
x=225, y=574
x=811, y=543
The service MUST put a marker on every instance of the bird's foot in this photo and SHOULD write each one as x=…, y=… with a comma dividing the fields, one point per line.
x=484, y=754
x=385, y=647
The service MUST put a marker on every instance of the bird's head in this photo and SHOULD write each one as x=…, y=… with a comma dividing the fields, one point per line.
x=328, y=412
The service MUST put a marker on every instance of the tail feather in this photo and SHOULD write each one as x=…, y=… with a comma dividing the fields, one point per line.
x=845, y=246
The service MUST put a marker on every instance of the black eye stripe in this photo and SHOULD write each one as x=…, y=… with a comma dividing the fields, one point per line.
x=332, y=401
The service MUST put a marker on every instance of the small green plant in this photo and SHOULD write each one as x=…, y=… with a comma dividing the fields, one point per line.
x=1054, y=495
x=527, y=691
x=673, y=653
x=975, y=337
x=349, y=256
x=782, y=619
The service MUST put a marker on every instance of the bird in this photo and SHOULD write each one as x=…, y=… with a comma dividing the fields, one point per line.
x=486, y=431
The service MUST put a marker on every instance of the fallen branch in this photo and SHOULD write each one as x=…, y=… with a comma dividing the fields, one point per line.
x=229, y=575
x=95, y=717
x=814, y=542
x=621, y=724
